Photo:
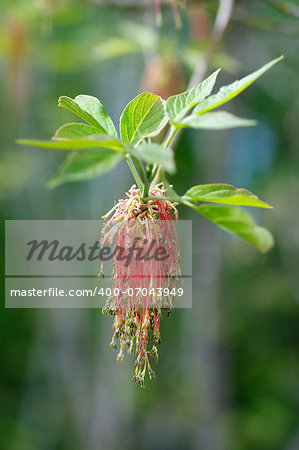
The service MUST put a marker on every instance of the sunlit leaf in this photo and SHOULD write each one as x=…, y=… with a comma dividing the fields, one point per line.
x=114, y=48
x=178, y=105
x=238, y=222
x=223, y=193
x=230, y=91
x=83, y=166
x=75, y=130
x=94, y=141
x=91, y=110
x=155, y=153
x=219, y=120
x=144, y=116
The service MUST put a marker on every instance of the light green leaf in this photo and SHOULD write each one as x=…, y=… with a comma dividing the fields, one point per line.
x=94, y=141
x=178, y=105
x=219, y=120
x=91, y=110
x=114, y=48
x=75, y=130
x=155, y=153
x=230, y=91
x=83, y=166
x=144, y=116
x=238, y=222
x=223, y=193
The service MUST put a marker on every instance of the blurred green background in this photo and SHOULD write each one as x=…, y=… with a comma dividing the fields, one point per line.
x=228, y=375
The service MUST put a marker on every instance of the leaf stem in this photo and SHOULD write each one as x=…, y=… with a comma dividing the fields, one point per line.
x=141, y=169
x=134, y=171
x=172, y=132
x=156, y=172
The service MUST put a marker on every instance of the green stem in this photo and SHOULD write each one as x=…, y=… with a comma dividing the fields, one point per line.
x=141, y=170
x=144, y=192
x=141, y=181
x=156, y=172
x=134, y=171
x=170, y=135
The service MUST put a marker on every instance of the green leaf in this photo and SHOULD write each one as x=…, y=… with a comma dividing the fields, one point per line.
x=223, y=193
x=155, y=153
x=114, y=48
x=144, y=116
x=226, y=93
x=238, y=222
x=94, y=141
x=91, y=110
x=75, y=130
x=83, y=166
x=178, y=105
x=219, y=120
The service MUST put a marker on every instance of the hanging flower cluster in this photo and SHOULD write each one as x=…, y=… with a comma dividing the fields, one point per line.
x=139, y=305
x=146, y=216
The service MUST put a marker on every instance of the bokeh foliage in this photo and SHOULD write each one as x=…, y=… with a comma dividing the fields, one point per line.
x=228, y=372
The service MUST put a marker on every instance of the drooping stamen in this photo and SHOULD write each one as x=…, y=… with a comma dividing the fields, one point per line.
x=137, y=308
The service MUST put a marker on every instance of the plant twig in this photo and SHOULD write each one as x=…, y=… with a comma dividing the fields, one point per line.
x=223, y=16
x=222, y=20
x=157, y=169
x=134, y=171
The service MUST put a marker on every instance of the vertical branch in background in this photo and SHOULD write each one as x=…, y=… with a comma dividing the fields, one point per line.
x=16, y=78
x=222, y=20
x=221, y=23
x=175, y=12
x=203, y=326
x=223, y=16
x=158, y=12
